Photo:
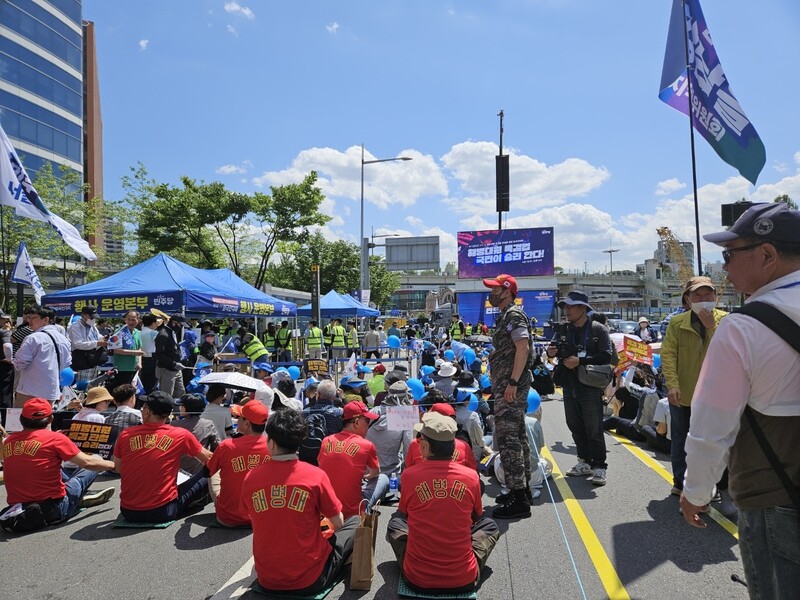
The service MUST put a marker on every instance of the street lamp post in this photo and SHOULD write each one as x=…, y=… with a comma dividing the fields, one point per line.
x=610, y=253
x=364, y=282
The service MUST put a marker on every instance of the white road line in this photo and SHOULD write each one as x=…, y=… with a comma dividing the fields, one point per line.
x=238, y=584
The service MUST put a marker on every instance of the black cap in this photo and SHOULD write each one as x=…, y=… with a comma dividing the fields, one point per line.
x=160, y=403
x=177, y=317
x=770, y=222
x=88, y=309
x=194, y=403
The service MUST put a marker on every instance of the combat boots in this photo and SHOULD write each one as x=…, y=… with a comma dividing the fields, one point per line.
x=518, y=508
x=506, y=497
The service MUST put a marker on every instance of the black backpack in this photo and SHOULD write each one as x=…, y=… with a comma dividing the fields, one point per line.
x=463, y=435
x=317, y=431
x=30, y=519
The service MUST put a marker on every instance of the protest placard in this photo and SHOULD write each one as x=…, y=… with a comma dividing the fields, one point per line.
x=94, y=438
x=401, y=418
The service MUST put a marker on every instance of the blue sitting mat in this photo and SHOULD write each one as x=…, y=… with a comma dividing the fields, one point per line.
x=404, y=590
x=256, y=587
x=121, y=523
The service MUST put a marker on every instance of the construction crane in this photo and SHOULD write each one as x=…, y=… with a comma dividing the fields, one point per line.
x=676, y=255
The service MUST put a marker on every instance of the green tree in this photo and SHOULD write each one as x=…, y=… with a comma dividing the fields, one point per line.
x=339, y=268
x=786, y=200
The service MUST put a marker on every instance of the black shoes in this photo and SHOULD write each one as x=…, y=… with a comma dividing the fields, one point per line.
x=517, y=506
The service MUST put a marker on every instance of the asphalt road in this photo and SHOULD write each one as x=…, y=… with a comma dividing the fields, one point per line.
x=624, y=540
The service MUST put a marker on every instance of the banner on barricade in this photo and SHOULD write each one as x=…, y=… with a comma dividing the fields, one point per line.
x=312, y=366
x=94, y=438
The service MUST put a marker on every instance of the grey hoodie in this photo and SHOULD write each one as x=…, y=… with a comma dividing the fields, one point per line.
x=392, y=446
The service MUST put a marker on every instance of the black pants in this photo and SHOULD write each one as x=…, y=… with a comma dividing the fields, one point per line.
x=148, y=374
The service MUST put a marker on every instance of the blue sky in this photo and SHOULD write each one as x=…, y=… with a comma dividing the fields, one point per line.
x=255, y=93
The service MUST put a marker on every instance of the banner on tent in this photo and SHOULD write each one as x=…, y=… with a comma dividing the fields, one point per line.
x=474, y=306
x=233, y=307
x=119, y=304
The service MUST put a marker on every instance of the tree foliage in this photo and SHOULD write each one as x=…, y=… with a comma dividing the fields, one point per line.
x=338, y=268
x=209, y=226
x=786, y=200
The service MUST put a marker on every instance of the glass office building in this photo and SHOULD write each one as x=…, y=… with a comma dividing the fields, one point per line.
x=42, y=82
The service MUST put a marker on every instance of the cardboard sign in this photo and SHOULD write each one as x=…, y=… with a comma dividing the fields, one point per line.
x=313, y=366
x=12, y=420
x=638, y=351
x=94, y=438
x=401, y=418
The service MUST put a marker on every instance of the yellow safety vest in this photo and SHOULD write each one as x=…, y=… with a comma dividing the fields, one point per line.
x=338, y=336
x=254, y=350
x=329, y=334
x=269, y=341
x=468, y=330
x=315, y=337
x=284, y=334
x=455, y=331
x=353, y=334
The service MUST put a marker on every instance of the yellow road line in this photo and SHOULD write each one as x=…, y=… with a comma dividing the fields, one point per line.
x=648, y=460
x=605, y=569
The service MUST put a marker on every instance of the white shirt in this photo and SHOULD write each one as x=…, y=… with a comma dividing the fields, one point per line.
x=746, y=364
x=662, y=415
x=149, y=341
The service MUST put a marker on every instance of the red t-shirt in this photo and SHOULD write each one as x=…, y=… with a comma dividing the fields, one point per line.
x=345, y=457
x=439, y=498
x=284, y=500
x=234, y=458
x=151, y=455
x=462, y=455
x=32, y=464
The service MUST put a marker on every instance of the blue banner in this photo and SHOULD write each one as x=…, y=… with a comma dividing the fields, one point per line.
x=716, y=114
x=474, y=306
x=117, y=305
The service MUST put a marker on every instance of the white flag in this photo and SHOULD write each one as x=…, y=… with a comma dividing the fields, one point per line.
x=351, y=365
x=25, y=273
x=17, y=191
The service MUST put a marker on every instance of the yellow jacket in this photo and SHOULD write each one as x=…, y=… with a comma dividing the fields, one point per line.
x=683, y=352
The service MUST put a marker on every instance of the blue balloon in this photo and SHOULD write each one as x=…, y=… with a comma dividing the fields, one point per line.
x=393, y=341
x=469, y=356
x=485, y=381
x=534, y=400
x=66, y=377
x=473, y=402
x=294, y=371
x=417, y=388
x=281, y=369
x=656, y=361
x=449, y=355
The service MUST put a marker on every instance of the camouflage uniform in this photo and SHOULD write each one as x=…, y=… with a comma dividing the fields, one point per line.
x=510, y=436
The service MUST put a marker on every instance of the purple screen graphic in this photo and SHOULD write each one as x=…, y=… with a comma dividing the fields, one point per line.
x=517, y=252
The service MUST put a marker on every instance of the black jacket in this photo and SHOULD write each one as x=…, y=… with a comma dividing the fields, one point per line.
x=167, y=352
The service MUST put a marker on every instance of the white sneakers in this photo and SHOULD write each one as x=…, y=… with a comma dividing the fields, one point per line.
x=599, y=477
x=582, y=469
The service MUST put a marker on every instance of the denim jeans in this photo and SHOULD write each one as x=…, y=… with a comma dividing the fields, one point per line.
x=190, y=492
x=76, y=485
x=374, y=490
x=769, y=539
x=583, y=408
x=679, y=420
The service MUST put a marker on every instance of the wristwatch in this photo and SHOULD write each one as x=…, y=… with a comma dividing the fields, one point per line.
x=513, y=382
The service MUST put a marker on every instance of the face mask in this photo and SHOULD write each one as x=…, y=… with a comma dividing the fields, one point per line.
x=698, y=306
x=92, y=322
x=495, y=300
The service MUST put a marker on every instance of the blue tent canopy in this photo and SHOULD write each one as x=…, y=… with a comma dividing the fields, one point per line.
x=169, y=285
x=334, y=304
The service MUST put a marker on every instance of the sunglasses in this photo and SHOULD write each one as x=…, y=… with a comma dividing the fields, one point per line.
x=726, y=254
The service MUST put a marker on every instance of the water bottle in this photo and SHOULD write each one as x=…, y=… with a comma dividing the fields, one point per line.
x=235, y=427
x=393, y=483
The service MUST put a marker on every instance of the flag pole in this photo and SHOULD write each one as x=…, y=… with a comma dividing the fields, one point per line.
x=691, y=140
x=3, y=246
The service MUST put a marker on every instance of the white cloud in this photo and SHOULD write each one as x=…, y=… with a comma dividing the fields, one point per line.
x=533, y=183
x=232, y=30
x=414, y=221
x=332, y=27
x=666, y=187
x=229, y=170
x=236, y=8
x=143, y=44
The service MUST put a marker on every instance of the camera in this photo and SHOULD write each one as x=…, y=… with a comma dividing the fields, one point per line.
x=564, y=347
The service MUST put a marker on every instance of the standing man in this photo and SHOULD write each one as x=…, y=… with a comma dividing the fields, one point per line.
x=683, y=350
x=283, y=340
x=511, y=381
x=456, y=330
x=587, y=343
x=645, y=332
x=314, y=340
x=338, y=344
x=169, y=370
x=128, y=358
x=750, y=369
x=83, y=337
x=371, y=343
x=6, y=368
x=40, y=358
x=352, y=339
x=150, y=325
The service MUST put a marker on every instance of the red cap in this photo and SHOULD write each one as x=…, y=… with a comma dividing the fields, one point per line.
x=379, y=368
x=506, y=281
x=37, y=408
x=443, y=409
x=254, y=411
x=357, y=409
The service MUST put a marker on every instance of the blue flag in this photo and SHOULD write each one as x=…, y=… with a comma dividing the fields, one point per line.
x=716, y=113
